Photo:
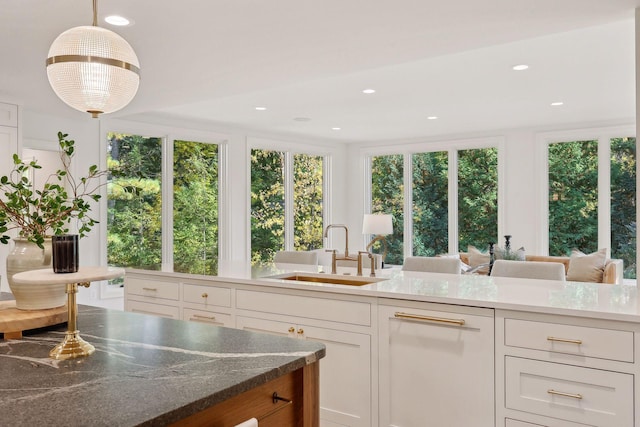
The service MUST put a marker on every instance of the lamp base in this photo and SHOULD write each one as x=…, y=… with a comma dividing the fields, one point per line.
x=71, y=347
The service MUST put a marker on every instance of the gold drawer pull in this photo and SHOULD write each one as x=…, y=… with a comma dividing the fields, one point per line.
x=150, y=289
x=562, y=393
x=199, y=316
x=300, y=331
x=401, y=315
x=292, y=330
x=556, y=339
x=205, y=295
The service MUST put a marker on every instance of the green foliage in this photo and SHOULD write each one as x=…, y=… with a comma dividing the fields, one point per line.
x=38, y=212
x=267, y=204
x=387, y=197
x=430, y=203
x=477, y=197
x=307, y=201
x=573, y=197
x=623, y=203
x=134, y=202
x=195, y=208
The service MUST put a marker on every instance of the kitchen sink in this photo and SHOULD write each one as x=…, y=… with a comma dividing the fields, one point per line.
x=328, y=278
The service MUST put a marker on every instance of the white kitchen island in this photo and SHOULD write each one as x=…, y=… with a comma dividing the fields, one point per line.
x=434, y=349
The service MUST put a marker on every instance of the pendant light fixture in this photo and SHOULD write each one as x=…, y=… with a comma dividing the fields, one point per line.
x=93, y=69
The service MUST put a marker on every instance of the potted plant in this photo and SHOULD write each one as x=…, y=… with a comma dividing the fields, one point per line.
x=36, y=213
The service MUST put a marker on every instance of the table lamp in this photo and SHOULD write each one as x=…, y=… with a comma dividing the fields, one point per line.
x=378, y=225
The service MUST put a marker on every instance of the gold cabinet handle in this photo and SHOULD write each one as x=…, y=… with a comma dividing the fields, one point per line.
x=292, y=330
x=300, y=331
x=199, y=316
x=205, y=295
x=556, y=339
x=562, y=393
x=150, y=289
x=401, y=315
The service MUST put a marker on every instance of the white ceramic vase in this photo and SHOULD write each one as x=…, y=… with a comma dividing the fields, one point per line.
x=28, y=256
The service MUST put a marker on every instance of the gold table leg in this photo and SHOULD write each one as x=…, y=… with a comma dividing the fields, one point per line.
x=73, y=345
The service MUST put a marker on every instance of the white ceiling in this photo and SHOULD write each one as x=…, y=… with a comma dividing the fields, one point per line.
x=214, y=61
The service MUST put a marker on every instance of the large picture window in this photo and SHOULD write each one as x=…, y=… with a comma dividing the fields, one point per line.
x=134, y=201
x=387, y=197
x=195, y=207
x=623, y=203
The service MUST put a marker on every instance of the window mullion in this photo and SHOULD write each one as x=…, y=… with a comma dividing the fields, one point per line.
x=604, y=192
x=453, y=201
x=288, y=202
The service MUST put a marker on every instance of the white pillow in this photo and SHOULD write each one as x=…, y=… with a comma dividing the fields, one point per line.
x=587, y=268
x=476, y=258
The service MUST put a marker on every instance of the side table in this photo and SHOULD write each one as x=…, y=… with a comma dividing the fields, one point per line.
x=73, y=345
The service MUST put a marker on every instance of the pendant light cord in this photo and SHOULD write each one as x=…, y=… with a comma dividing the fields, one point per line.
x=95, y=13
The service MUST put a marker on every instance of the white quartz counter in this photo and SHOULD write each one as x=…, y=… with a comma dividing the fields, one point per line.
x=601, y=301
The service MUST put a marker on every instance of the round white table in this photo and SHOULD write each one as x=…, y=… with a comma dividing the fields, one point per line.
x=73, y=345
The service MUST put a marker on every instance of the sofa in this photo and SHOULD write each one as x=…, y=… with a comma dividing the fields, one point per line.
x=612, y=274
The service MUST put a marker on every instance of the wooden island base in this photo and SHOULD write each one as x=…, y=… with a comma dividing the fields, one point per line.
x=297, y=404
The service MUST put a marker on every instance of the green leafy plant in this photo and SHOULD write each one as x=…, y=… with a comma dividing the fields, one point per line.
x=39, y=212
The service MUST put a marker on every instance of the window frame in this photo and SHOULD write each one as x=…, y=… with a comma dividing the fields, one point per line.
x=451, y=147
x=603, y=136
x=289, y=149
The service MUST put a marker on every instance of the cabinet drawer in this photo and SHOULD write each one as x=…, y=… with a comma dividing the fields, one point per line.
x=583, y=395
x=209, y=317
x=153, y=309
x=153, y=289
x=357, y=313
x=8, y=115
x=570, y=339
x=207, y=295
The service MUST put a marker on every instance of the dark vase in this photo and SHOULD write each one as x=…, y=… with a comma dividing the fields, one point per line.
x=65, y=253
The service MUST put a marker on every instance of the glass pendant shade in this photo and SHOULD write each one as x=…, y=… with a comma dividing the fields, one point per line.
x=93, y=69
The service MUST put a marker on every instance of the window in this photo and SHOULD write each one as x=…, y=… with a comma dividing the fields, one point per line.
x=623, y=206
x=136, y=210
x=287, y=203
x=430, y=187
x=308, y=201
x=267, y=204
x=573, y=197
x=477, y=197
x=195, y=207
x=435, y=186
x=134, y=201
x=387, y=186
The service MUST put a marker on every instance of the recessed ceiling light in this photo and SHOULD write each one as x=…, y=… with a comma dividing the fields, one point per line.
x=302, y=119
x=432, y=117
x=119, y=21
x=556, y=104
x=520, y=67
x=261, y=108
x=367, y=91
x=336, y=128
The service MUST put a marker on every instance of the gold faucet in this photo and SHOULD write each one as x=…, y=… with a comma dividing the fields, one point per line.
x=346, y=238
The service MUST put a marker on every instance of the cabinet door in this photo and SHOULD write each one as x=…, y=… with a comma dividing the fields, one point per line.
x=345, y=371
x=436, y=372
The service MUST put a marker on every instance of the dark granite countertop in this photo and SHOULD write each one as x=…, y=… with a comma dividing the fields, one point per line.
x=146, y=370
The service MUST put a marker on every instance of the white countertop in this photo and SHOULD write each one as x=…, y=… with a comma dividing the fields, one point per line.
x=593, y=300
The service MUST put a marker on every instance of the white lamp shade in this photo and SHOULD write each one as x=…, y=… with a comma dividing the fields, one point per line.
x=380, y=224
x=93, y=69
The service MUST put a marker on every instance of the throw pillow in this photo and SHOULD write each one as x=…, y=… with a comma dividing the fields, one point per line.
x=463, y=266
x=517, y=255
x=477, y=257
x=587, y=268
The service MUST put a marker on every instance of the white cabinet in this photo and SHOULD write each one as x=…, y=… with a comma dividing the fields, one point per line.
x=345, y=371
x=207, y=304
x=8, y=115
x=561, y=371
x=436, y=365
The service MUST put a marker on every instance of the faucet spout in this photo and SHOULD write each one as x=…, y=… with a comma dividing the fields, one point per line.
x=346, y=239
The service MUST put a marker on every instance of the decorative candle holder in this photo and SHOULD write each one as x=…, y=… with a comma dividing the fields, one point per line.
x=65, y=253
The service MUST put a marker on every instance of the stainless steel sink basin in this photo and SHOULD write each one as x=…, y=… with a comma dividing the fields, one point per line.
x=327, y=278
